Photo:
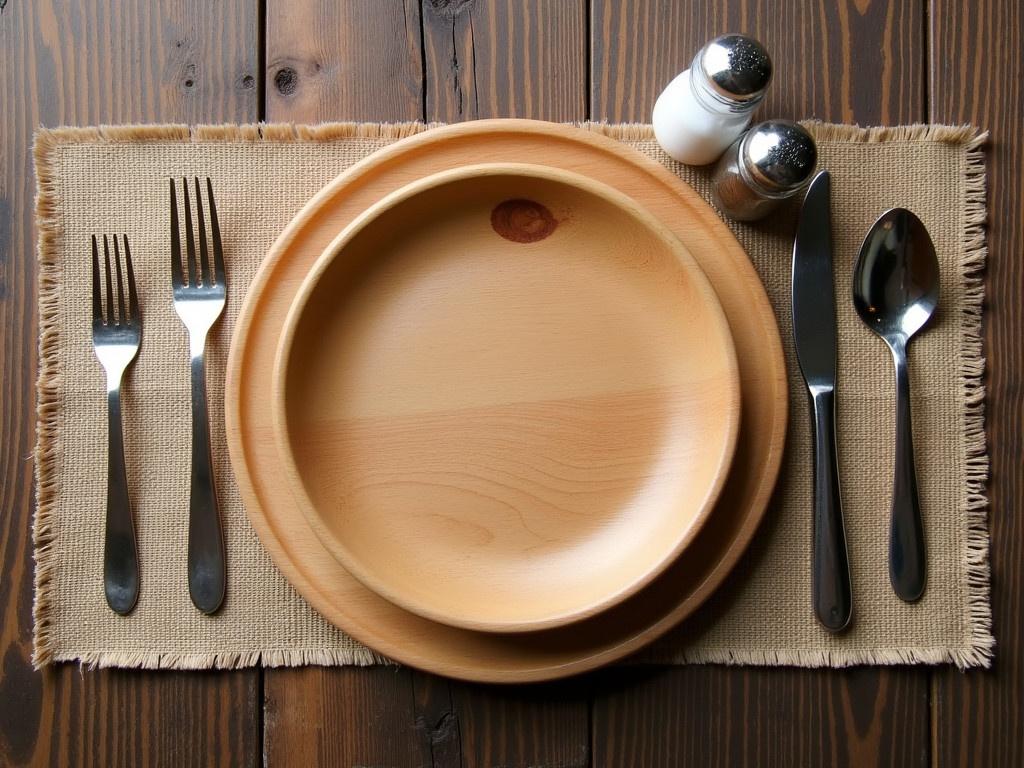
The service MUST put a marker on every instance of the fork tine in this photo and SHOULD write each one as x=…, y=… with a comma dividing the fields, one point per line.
x=218, y=251
x=133, y=300
x=122, y=316
x=176, y=277
x=97, y=302
x=111, y=320
x=204, y=257
x=190, y=240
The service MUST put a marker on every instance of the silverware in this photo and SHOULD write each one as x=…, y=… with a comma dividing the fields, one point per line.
x=116, y=333
x=814, y=332
x=199, y=296
x=895, y=291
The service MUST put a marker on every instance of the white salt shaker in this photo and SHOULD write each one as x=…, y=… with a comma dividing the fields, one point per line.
x=707, y=107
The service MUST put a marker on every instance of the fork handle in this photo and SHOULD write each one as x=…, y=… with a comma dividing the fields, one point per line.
x=120, y=553
x=206, y=571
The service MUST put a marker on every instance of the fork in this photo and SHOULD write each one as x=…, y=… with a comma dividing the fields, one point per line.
x=115, y=337
x=200, y=292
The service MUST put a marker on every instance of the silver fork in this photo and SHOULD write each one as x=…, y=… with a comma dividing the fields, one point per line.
x=200, y=292
x=115, y=337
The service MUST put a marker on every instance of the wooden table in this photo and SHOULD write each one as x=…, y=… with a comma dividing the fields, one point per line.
x=866, y=61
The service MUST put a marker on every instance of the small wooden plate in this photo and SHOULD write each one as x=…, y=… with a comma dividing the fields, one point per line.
x=486, y=656
x=500, y=378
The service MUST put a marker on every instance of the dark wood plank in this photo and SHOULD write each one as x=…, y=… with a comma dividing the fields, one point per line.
x=398, y=717
x=130, y=718
x=88, y=62
x=976, y=75
x=717, y=716
x=345, y=61
x=344, y=716
x=848, y=61
x=483, y=59
x=357, y=60
x=497, y=58
x=523, y=726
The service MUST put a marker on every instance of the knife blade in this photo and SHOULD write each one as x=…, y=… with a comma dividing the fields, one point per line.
x=814, y=335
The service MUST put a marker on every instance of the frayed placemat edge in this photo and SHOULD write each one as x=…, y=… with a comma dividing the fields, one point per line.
x=282, y=657
x=963, y=658
x=979, y=639
x=47, y=448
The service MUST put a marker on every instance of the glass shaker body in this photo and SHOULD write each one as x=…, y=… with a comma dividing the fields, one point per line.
x=692, y=130
x=733, y=195
x=704, y=109
x=769, y=163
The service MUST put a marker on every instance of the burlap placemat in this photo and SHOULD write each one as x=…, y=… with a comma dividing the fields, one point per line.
x=114, y=180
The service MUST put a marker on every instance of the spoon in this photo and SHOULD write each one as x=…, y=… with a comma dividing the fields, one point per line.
x=895, y=290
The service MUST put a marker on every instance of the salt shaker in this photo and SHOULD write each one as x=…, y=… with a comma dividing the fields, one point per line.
x=703, y=110
x=770, y=162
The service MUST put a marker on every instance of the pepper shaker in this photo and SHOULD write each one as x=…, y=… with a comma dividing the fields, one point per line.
x=770, y=162
x=704, y=109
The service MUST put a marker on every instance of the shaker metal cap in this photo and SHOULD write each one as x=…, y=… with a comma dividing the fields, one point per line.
x=736, y=68
x=778, y=155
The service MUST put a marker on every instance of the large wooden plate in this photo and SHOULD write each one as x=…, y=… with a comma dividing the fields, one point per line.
x=381, y=624
x=499, y=378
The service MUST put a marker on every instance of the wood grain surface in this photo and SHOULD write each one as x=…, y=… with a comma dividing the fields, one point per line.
x=495, y=58
x=82, y=63
x=977, y=76
x=847, y=61
x=715, y=716
x=871, y=61
x=363, y=54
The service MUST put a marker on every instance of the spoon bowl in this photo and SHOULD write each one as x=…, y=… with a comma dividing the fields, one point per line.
x=896, y=282
x=895, y=291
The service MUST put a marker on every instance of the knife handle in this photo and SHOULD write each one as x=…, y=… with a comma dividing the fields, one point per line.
x=830, y=573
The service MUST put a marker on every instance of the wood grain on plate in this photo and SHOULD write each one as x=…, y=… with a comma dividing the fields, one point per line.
x=671, y=597
x=500, y=378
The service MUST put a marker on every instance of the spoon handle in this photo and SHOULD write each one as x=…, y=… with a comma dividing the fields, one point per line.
x=906, y=533
x=830, y=574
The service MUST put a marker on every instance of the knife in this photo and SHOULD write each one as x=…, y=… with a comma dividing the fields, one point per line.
x=814, y=333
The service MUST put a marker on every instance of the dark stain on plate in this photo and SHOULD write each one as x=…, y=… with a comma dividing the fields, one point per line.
x=522, y=221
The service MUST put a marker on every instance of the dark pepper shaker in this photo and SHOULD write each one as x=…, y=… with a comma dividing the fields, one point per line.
x=767, y=164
